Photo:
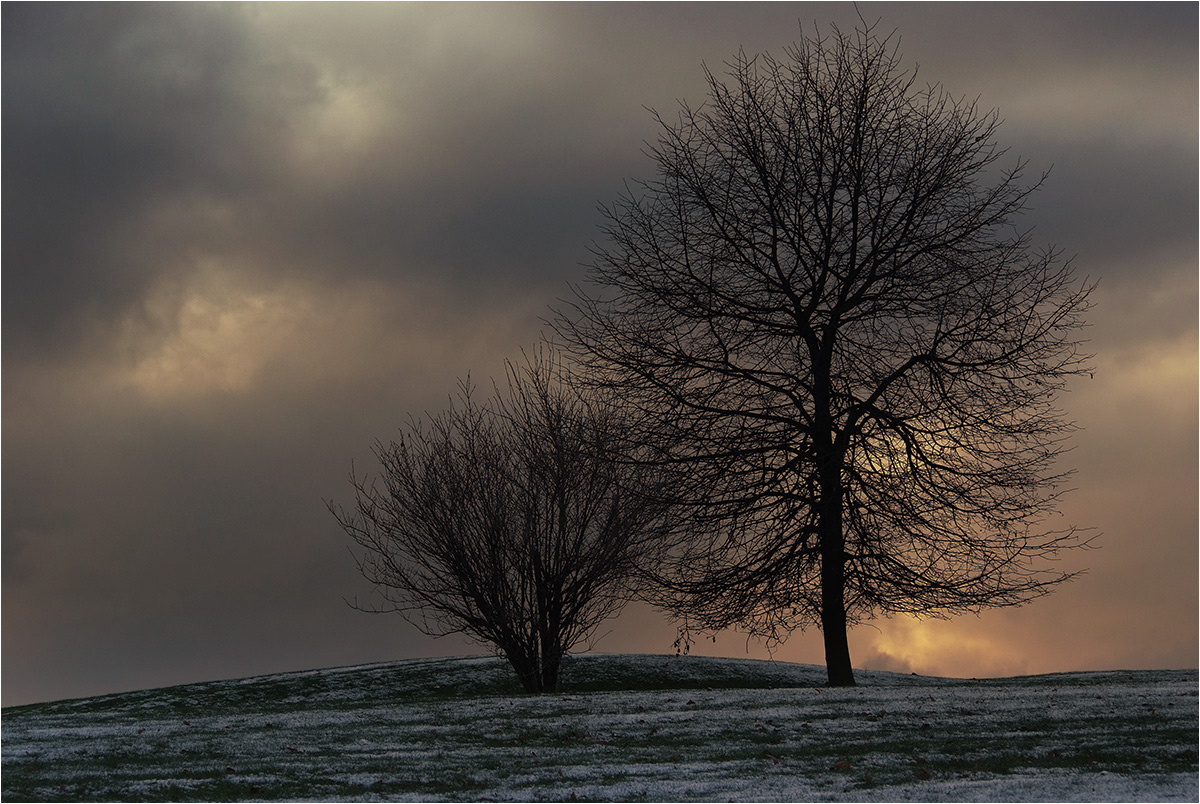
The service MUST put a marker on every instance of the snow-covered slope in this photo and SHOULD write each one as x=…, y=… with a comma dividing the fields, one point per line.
x=623, y=728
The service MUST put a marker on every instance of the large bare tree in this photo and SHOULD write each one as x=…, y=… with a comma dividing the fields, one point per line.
x=513, y=522
x=832, y=330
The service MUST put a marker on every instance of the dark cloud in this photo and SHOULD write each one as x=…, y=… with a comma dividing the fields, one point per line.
x=242, y=242
x=113, y=114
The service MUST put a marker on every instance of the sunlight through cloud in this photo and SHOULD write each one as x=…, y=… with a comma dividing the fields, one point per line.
x=210, y=334
x=937, y=647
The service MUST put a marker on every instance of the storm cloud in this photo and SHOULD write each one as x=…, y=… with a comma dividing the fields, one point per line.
x=241, y=242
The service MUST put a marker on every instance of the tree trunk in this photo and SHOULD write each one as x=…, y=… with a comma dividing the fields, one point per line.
x=550, y=676
x=833, y=577
x=536, y=673
x=528, y=670
x=833, y=617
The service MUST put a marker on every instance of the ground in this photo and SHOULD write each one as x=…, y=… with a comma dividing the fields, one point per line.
x=623, y=728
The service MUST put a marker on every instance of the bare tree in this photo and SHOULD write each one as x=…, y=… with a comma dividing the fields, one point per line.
x=513, y=522
x=832, y=331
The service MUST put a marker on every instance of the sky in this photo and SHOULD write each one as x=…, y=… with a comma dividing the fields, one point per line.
x=243, y=242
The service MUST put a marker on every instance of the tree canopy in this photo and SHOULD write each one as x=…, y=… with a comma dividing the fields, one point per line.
x=514, y=522
x=827, y=323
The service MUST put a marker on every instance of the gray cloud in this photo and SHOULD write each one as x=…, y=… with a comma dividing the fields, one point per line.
x=114, y=116
x=243, y=242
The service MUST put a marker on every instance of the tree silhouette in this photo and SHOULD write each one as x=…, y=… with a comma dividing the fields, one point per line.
x=513, y=522
x=832, y=332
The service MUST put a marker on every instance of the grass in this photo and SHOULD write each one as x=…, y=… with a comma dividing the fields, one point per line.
x=621, y=728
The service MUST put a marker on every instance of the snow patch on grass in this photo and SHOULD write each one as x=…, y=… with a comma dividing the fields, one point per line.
x=623, y=728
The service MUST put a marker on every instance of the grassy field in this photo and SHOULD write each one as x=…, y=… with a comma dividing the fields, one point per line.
x=622, y=728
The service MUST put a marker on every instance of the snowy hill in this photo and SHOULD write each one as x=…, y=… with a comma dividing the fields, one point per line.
x=623, y=728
